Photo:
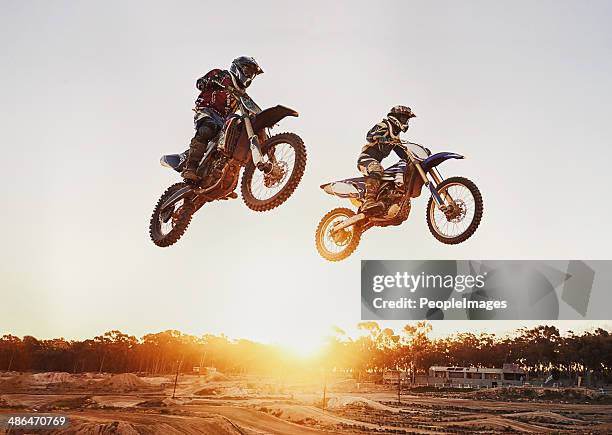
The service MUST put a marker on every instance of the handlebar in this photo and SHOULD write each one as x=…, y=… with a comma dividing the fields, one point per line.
x=407, y=142
x=247, y=102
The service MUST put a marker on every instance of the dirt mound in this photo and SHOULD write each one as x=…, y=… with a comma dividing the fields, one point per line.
x=223, y=391
x=16, y=382
x=123, y=382
x=157, y=380
x=531, y=394
x=51, y=378
x=207, y=391
x=339, y=402
x=216, y=377
x=153, y=403
x=160, y=403
x=305, y=415
x=5, y=376
x=543, y=417
x=234, y=392
x=80, y=402
x=294, y=413
x=154, y=426
x=344, y=386
x=168, y=401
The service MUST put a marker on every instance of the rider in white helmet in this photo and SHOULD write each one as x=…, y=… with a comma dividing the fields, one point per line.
x=382, y=139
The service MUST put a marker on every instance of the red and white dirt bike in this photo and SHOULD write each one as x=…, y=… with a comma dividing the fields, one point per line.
x=273, y=168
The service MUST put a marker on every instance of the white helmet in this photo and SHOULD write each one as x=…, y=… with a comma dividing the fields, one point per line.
x=244, y=69
x=399, y=116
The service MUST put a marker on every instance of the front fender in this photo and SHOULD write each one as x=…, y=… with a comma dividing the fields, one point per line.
x=435, y=159
x=183, y=192
x=265, y=119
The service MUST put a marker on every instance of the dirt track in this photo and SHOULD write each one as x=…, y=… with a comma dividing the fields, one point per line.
x=238, y=421
x=486, y=404
x=220, y=405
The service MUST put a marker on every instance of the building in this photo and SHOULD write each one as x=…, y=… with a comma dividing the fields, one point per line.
x=470, y=377
x=205, y=370
x=392, y=377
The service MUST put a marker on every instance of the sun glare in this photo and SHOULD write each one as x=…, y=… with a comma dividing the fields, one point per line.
x=304, y=347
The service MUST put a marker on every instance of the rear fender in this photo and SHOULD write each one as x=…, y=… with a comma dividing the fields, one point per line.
x=349, y=188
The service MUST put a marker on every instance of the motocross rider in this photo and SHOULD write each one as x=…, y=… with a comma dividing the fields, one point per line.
x=382, y=139
x=217, y=100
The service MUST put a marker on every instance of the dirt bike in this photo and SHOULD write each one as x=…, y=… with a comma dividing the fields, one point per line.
x=453, y=213
x=273, y=168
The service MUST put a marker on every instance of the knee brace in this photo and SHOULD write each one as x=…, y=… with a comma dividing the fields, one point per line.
x=375, y=170
x=370, y=167
x=206, y=130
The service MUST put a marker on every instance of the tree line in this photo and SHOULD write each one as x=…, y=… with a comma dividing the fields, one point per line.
x=538, y=350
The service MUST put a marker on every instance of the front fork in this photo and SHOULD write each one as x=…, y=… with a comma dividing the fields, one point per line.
x=433, y=188
x=255, y=147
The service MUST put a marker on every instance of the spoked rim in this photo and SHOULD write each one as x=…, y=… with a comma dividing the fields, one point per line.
x=335, y=244
x=168, y=225
x=282, y=158
x=459, y=217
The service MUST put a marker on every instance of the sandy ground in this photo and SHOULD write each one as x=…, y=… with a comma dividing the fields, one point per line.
x=220, y=404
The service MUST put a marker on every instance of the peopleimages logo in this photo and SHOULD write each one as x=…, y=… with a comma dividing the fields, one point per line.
x=485, y=289
x=411, y=282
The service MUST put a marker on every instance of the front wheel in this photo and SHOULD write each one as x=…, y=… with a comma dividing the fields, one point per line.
x=168, y=225
x=336, y=246
x=286, y=156
x=462, y=214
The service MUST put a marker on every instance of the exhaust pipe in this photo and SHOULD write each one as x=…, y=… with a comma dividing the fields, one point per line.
x=350, y=221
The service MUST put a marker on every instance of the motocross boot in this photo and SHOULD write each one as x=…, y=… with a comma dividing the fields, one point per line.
x=370, y=204
x=196, y=152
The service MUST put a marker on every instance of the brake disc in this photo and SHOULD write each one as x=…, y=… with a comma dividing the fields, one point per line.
x=277, y=175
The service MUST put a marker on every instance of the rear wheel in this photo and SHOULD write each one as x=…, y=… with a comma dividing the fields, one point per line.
x=463, y=212
x=168, y=225
x=336, y=246
x=286, y=155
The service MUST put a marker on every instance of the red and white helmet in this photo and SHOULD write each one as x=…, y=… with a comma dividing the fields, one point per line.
x=399, y=116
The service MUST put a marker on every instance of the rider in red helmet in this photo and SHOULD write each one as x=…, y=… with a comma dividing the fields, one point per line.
x=217, y=100
x=382, y=139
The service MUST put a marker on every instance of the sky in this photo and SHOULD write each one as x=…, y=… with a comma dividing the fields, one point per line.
x=92, y=94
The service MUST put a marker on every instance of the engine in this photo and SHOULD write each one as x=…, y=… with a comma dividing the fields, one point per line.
x=229, y=136
x=213, y=169
x=392, y=197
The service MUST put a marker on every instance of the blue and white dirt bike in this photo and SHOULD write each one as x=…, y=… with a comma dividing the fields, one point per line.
x=454, y=209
